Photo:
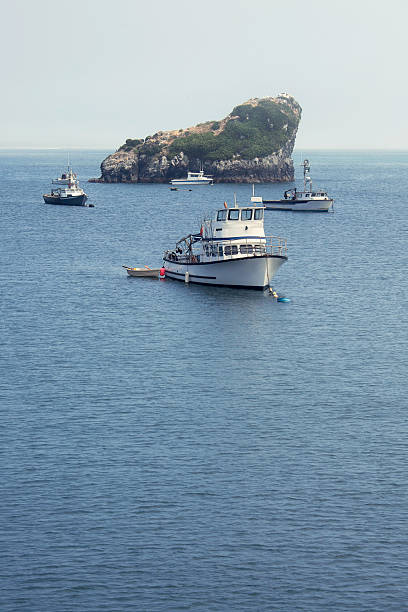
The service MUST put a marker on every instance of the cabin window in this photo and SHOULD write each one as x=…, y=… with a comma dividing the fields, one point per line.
x=222, y=215
x=233, y=214
x=231, y=250
x=214, y=250
x=220, y=250
x=246, y=214
x=246, y=249
x=258, y=214
x=259, y=249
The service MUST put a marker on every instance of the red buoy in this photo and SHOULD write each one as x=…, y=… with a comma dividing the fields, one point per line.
x=162, y=272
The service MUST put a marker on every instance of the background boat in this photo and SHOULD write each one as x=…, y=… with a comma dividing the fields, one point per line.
x=193, y=178
x=69, y=192
x=306, y=200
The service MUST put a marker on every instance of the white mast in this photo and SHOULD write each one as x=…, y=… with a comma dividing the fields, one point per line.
x=307, y=181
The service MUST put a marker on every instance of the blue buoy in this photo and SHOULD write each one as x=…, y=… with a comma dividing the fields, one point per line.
x=283, y=299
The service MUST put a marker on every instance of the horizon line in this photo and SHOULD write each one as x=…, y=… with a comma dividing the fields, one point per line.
x=100, y=148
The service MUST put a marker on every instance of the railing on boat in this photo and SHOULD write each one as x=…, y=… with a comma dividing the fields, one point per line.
x=270, y=245
x=277, y=245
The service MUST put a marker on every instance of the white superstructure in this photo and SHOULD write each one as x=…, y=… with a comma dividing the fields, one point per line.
x=66, y=178
x=230, y=250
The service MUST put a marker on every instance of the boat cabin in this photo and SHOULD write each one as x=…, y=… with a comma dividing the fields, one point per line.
x=195, y=175
x=312, y=195
x=234, y=223
x=294, y=194
x=235, y=232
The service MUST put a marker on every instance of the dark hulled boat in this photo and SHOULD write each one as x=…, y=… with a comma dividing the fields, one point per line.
x=68, y=193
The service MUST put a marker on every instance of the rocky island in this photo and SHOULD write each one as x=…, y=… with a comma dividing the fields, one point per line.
x=253, y=144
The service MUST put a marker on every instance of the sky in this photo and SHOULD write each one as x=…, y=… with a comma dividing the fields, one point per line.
x=91, y=73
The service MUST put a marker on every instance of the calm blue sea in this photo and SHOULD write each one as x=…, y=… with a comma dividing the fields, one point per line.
x=168, y=447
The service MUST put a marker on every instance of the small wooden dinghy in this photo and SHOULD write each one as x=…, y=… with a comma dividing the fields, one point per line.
x=146, y=271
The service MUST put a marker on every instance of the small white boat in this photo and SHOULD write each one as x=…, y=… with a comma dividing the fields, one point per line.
x=306, y=200
x=231, y=250
x=152, y=272
x=193, y=178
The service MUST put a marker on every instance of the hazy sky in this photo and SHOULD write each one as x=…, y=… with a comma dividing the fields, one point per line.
x=91, y=73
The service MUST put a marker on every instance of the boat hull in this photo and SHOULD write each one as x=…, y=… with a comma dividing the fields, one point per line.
x=79, y=200
x=254, y=272
x=299, y=205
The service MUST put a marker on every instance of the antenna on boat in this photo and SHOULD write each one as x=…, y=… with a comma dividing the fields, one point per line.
x=306, y=176
x=235, y=200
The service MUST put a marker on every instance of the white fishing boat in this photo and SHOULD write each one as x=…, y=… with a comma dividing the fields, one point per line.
x=305, y=201
x=230, y=250
x=69, y=193
x=193, y=178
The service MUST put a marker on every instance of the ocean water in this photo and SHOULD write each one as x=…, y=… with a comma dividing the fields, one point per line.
x=172, y=447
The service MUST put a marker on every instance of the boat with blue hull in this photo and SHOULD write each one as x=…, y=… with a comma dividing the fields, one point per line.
x=68, y=192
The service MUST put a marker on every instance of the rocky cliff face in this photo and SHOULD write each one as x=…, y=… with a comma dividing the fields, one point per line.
x=253, y=144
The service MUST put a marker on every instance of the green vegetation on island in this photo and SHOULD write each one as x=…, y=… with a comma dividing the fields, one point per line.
x=250, y=131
